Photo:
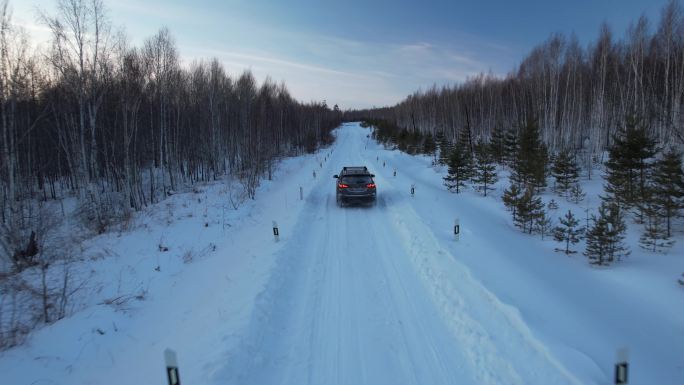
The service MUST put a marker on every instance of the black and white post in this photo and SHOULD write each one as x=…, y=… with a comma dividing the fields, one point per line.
x=413, y=189
x=457, y=229
x=301, y=193
x=622, y=366
x=395, y=172
x=171, y=367
x=276, y=232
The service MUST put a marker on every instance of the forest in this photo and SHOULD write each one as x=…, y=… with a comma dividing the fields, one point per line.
x=565, y=111
x=579, y=96
x=120, y=127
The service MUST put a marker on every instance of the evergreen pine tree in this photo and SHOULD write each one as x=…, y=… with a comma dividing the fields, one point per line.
x=530, y=166
x=606, y=235
x=510, y=146
x=552, y=161
x=597, y=244
x=414, y=142
x=485, y=174
x=465, y=141
x=529, y=208
x=497, y=144
x=568, y=232
x=439, y=138
x=552, y=205
x=404, y=140
x=460, y=169
x=668, y=187
x=565, y=172
x=543, y=224
x=536, y=210
x=655, y=237
x=445, y=147
x=616, y=234
x=429, y=145
x=510, y=198
x=522, y=211
x=628, y=166
x=576, y=193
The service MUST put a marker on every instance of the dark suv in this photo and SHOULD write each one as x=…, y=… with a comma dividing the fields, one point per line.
x=355, y=184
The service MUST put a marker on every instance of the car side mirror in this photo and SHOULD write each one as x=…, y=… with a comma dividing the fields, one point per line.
x=335, y=176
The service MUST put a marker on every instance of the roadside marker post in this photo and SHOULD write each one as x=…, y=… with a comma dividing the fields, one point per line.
x=457, y=229
x=395, y=172
x=413, y=189
x=301, y=193
x=622, y=366
x=171, y=367
x=276, y=232
x=314, y=174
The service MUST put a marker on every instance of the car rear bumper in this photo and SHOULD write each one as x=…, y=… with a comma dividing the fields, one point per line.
x=350, y=197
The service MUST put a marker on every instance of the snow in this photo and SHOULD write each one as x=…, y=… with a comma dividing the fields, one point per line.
x=357, y=295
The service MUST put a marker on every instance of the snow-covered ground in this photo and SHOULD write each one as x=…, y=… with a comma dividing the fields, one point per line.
x=357, y=295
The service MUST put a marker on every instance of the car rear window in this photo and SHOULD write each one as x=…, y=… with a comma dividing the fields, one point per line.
x=356, y=179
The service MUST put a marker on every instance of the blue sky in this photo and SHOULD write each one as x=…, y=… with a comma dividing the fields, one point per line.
x=360, y=53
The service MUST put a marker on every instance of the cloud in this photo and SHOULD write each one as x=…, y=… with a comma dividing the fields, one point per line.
x=354, y=73
x=166, y=11
x=415, y=48
x=251, y=58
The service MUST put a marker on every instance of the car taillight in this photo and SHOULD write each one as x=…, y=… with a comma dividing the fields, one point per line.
x=370, y=185
x=342, y=185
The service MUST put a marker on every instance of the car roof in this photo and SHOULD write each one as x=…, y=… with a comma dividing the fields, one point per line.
x=360, y=170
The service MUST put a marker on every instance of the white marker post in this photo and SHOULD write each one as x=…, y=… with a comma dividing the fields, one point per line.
x=395, y=172
x=171, y=367
x=622, y=366
x=413, y=189
x=301, y=193
x=276, y=232
x=314, y=174
x=457, y=229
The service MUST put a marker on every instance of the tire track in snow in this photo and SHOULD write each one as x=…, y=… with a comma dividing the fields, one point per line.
x=368, y=296
x=252, y=359
x=501, y=350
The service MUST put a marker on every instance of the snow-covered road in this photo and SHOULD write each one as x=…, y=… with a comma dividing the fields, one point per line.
x=380, y=295
x=366, y=295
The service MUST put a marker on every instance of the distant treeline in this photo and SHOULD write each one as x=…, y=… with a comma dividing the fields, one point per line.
x=579, y=97
x=121, y=127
